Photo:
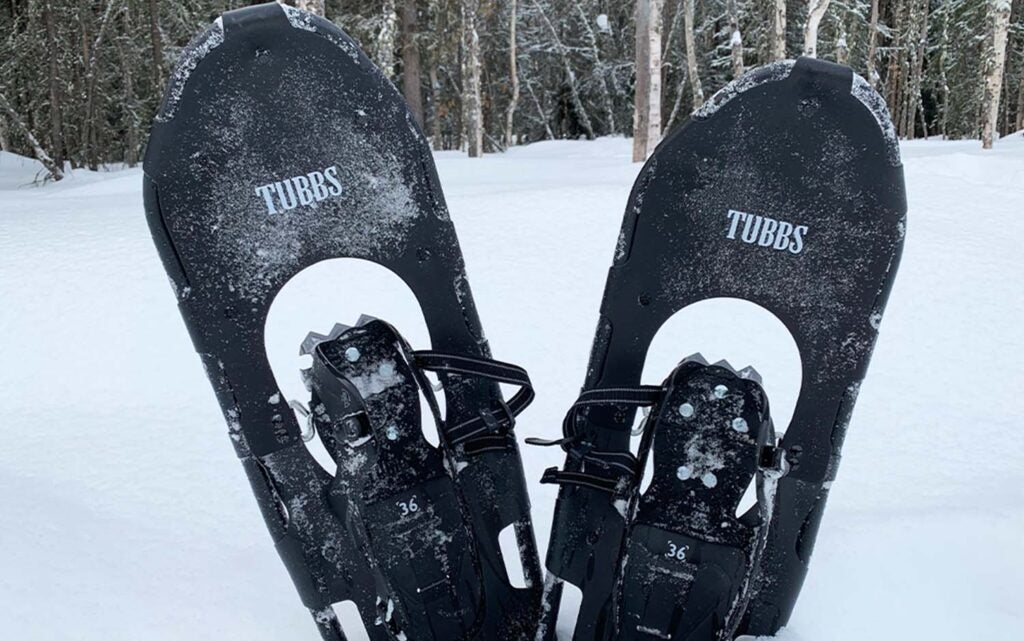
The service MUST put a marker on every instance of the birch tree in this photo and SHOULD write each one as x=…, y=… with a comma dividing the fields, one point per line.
x=471, y=98
x=647, y=109
x=815, y=12
x=735, y=39
x=778, y=48
x=693, y=72
x=312, y=6
x=513, y=74
x=386, y=38
x=873, y=45
x=995, y=64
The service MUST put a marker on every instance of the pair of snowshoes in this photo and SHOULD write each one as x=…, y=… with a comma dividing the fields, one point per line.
x=279, y=146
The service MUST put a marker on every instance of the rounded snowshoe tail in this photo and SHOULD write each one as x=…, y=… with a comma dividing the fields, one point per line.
x=280, y=145
x=785, y=190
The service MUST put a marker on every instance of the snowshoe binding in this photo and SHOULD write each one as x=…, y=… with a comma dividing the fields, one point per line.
x=689, y=559
x=278, y=146
x=784, y=190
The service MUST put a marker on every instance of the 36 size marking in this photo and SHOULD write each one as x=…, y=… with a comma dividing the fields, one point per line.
x=766, y=232
x=677, y=552
x=408, y=507
x=306, y=189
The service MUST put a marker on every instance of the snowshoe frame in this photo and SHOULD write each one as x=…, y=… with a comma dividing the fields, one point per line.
x=279, y=145
x=785, y=190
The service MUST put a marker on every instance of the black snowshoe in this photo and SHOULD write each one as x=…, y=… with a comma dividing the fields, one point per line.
x=278, y=146
x=784, y=190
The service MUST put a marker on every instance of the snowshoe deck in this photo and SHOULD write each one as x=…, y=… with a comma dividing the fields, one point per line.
x=278, y=146
x=785, y=190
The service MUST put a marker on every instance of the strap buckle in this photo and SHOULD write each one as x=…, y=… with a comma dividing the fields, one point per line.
x=495, y=424
x=772, y=461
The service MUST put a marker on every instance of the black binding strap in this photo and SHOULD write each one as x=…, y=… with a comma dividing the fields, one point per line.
x=486, y=432
x=602, y=470
x=639, y=396
x=554, y=476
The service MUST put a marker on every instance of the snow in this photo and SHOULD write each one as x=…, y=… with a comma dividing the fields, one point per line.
x=126, y=515
x=198, y=49
x=768, y=73
x=862, y=90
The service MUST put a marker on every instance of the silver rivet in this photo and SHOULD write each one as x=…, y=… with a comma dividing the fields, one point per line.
x=392, y=433
x=683, y=472
x=709, y=479
x=720, y=391
x=739, y=424
x=352, y=354
x=686, y=410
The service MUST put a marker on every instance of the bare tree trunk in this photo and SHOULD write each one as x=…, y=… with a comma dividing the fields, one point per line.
x=917, y=53
x=51, y=165
x=435, y=99
x=642, y=88
x=816, y=11
x=89, y=126
x=691, y=55
x=131, y=142
x=386, y=39
x=1004, y=104
x=995, y=65
x=842, y=49
x=1019, y=122
x=412, y=74
x=56, y=115
x=609, y=105
x=570, y=74
x=677, y=103
x=654, y=108
x=943, y=79
x=735, y=39
x=779, y=30
x=513, y=74
x=647, y=109
x=540, y=111
x=472, y=107
x=5, y=143
x=312, y=6
x=156, y=42
x=873, y=46
x=893, y=77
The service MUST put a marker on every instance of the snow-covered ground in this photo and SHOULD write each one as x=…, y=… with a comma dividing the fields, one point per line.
x=124, y=515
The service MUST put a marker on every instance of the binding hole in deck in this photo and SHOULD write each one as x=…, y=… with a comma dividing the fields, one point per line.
x=512, y=555
x=740, y=332
x=351, y=622
x=339, y=290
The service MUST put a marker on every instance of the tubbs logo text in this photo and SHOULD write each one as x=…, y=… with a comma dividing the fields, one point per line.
x=306, y=189
x=766, y=232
